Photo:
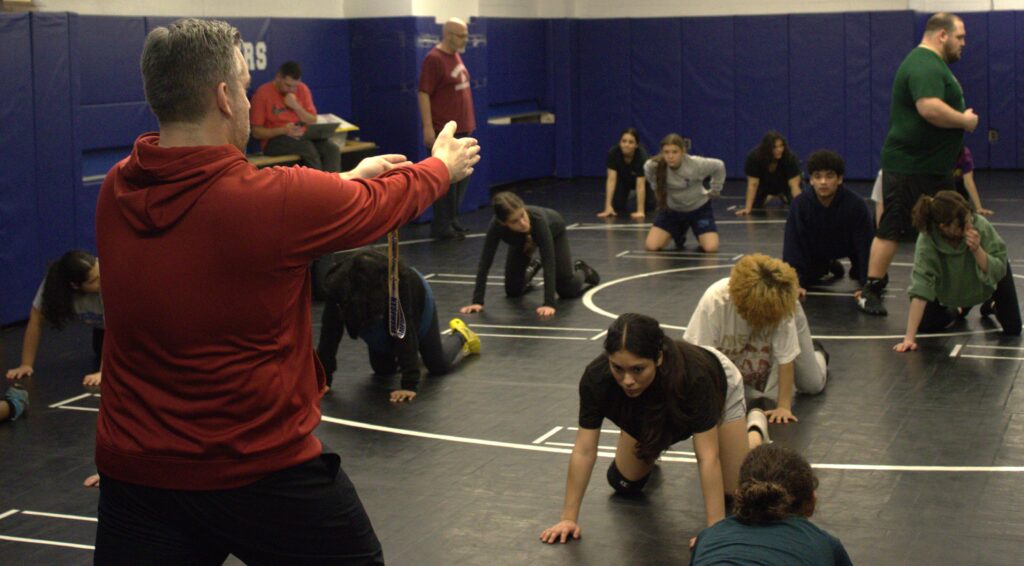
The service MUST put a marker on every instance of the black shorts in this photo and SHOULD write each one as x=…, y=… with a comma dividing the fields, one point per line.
x=900, y=193
x=306, y=514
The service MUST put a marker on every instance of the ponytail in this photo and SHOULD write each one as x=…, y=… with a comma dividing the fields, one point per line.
x=775, y=483
x=946, y=207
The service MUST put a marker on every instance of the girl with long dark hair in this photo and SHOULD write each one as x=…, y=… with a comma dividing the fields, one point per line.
x=70, y=291
x=959, y=261
x=658, y=391
x=527, y=229
x=625, y=173
x=774, y=502
x=358, y=302
x=772, y=170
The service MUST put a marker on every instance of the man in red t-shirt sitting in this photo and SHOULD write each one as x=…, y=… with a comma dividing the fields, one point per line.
x=280, y=111
x=444, y=95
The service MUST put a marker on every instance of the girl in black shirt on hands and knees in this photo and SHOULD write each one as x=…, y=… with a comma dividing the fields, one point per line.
x=527, y=229
x=659, y=392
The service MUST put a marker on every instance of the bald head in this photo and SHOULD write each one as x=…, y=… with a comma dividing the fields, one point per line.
x=455, y=36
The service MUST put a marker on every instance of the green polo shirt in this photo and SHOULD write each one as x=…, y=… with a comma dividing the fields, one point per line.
x=913, y=145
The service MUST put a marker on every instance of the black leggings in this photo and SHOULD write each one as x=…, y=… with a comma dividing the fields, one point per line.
x=568, y=282
x=97, y=345
x=439, y=352
x=937, y=316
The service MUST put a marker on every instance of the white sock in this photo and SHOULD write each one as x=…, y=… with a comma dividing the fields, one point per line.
x=820, y=357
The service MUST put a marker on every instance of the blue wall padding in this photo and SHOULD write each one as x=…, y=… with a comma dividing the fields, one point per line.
x=656, y=79
x=516, y=50
x=563, y=84
x=20, y=259
x=321, y=47
x=108, y=52
x=1019, y=96
x=972, y=72
x=892, y=37
x=606, y=91
x=520, y=151
x=115, y=124
x=709, y=104
x=762, y=82
x=58, y=166
x=857, y=115
x=816, y=84
x=1001, y=98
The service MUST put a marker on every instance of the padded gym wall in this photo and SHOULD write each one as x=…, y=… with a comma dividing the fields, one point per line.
x=817, y=84
x=1002, y=101
x=20, y=258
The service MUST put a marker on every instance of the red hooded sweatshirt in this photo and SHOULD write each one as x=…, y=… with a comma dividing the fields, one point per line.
x=209, y=376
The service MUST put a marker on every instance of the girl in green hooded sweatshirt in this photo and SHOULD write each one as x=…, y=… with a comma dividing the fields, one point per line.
x=959, y=261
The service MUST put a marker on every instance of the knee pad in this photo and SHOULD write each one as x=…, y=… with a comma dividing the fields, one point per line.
x=623, y=486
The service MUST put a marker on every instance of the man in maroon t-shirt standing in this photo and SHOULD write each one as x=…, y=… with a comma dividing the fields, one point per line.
x=445, y=94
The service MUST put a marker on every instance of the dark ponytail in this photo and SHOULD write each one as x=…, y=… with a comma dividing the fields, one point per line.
x=672, y=403
x=775, y=483
x=63, y=278
x=661, y=173
x=505, y=203
x=946, y=207
x=359, y=286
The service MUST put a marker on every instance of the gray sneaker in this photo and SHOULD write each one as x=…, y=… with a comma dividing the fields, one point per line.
x=18, y=398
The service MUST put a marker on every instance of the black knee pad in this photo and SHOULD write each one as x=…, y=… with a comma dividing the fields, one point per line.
x=623, y=486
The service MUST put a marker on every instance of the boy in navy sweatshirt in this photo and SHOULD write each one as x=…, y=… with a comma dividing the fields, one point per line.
x=826, y=223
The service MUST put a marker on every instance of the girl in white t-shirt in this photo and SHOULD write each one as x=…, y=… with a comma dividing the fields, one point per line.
x=754, y=317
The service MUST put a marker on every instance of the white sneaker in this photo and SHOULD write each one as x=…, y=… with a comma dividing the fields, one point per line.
x=757, y=420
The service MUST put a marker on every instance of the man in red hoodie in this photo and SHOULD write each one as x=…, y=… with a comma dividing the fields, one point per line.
x=210, y=390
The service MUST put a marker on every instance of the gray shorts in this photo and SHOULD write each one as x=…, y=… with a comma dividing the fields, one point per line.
x=735, y=406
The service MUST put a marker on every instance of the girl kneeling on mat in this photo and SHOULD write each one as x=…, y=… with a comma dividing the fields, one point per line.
x=70, y=291
x=526, y=229
x=959, y=261
x=774, y=501
x=358, y=301
x=659, y=392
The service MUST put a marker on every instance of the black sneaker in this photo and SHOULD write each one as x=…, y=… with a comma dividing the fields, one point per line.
x=681, y=243
x=836, y=269
x=988, y=308
x=589, y=275
x=532, y=269
x=870, y=300
x=460, y=228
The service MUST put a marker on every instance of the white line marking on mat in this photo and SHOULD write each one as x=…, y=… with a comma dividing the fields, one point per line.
x=612, y=448
x=956, y=350
x=622, y=253
x=71, y=400
x=467, y=276
x=48, y=542
x=74, y=408
x=569, y=328
x=8, y=513
x=530, y=336
x=1018, y=348
x=599, y=335
x=557, y=450
x=429, y=275
x=61, y=516
x=978, y=357
x=547, y=435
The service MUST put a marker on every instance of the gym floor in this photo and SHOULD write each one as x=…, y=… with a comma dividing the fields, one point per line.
x=920, y=456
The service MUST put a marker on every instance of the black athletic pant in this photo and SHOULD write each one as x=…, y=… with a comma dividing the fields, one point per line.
x=306, y=514
x=568, y=282
x=438, y=352
x=762, y=195
x=97, y=345
x=620, y=198
x=937, y=316
x=321, y=154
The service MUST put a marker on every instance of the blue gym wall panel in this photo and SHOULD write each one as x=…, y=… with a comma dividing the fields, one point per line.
x=892, y=38
x=1019, y=90
x=606, y=90
x=58, y=172
x=476, y=60
x=972, y=72
x=817, y=93
x=1002, y=110
x=656, y=76
x=321, y=47
x=20, y=260
x=762, y=82
x=109, y=49
x=859, y=152
x=516, y=50
x=520, y=151
x=564, y=85
x=384, y=71
x=708, y=98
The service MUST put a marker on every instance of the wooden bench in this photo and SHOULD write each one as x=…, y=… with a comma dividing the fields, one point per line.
x=351, y=146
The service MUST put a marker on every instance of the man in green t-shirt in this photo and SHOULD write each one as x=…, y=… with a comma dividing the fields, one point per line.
x=927, y=121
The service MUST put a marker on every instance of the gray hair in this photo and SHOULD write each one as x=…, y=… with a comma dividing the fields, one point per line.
x=182, y=62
